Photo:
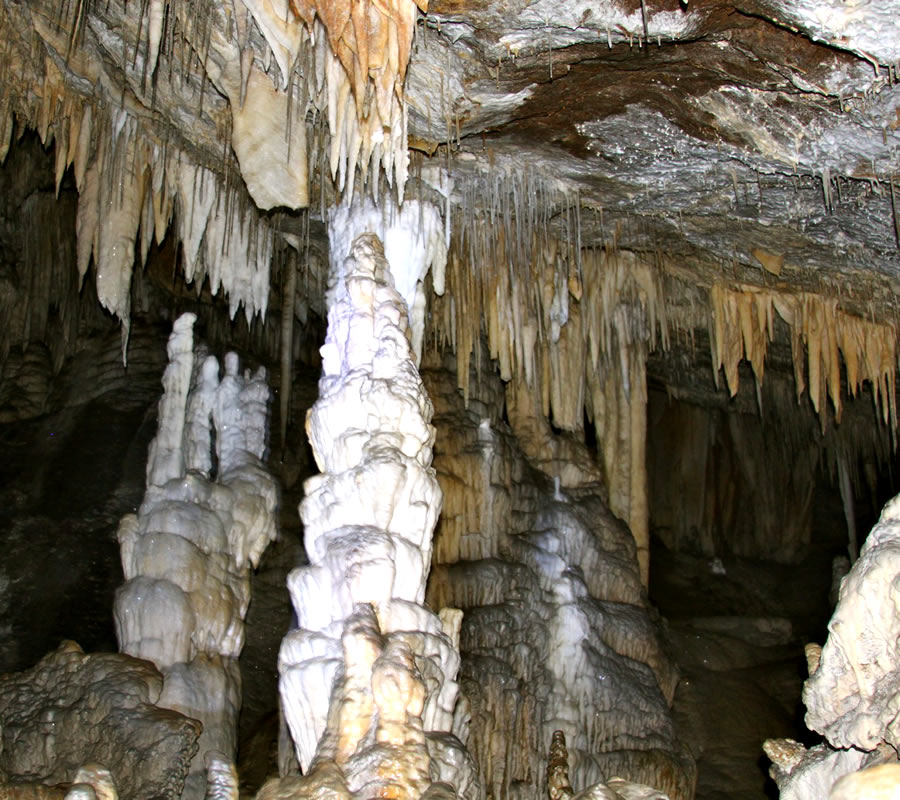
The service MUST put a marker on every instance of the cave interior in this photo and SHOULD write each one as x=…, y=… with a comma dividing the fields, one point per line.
x=649, y=252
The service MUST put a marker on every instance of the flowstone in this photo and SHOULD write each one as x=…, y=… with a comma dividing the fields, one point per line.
x=555, y=634
x=615, y=788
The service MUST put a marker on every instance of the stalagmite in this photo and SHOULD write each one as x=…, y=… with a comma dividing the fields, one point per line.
x=851, y=692
x=221, y=777
x=165, y=460
x=558, y=784
x=613, y=789
x=848, y=697
x=187, y=553
x=551, y=595
x=368, y=678
x=194, y=124
x=414, y=240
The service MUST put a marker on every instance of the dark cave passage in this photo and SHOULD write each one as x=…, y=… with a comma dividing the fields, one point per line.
x=744, y=586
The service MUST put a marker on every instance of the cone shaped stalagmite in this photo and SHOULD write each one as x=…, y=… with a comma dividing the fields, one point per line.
x=368, y=678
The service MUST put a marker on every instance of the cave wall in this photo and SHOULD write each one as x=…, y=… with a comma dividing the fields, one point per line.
x=748, y=475
x=181, y=136
x=729, y=483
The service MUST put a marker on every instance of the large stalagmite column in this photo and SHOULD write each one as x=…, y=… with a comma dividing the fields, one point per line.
x=187, y=553
x=368, y=678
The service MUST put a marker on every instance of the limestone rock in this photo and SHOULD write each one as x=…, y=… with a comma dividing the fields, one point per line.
x=369, y=677
x=851, y=694
x=851, y=698
x=550, y=592
x=73, y=709
x=810, y=774
x=187, y=553
x=881, y=782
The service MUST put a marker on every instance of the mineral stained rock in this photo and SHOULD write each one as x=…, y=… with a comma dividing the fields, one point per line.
x=555, y=634
x=852, y=697
x=852, y=693
x=613, y=789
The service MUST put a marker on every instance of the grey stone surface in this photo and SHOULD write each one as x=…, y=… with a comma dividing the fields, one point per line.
x=72, y=709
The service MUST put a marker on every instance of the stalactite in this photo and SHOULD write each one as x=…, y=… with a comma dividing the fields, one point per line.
x=414, y=243
x=119, y=211
x=132, y=167
x=7, y=123
x=129, y=179
x=361, y=51
x=535, y=574
x=573, y=329
x=287, y=345
x=742, y=321
x=155, y=16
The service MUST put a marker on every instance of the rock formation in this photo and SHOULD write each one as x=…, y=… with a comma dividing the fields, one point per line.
x=851, y=692
x=74, y=709
x=555, y=633
x=368, y=678
x=693, y=200
x=207, y=516
x=615, y=788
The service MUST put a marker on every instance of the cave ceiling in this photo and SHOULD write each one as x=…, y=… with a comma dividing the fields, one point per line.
x=721, y=130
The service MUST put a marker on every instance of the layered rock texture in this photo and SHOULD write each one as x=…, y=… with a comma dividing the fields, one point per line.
x=555, y=633
x=615, y=788
x=207, y=516
x=615, y=182
x=650, y=253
